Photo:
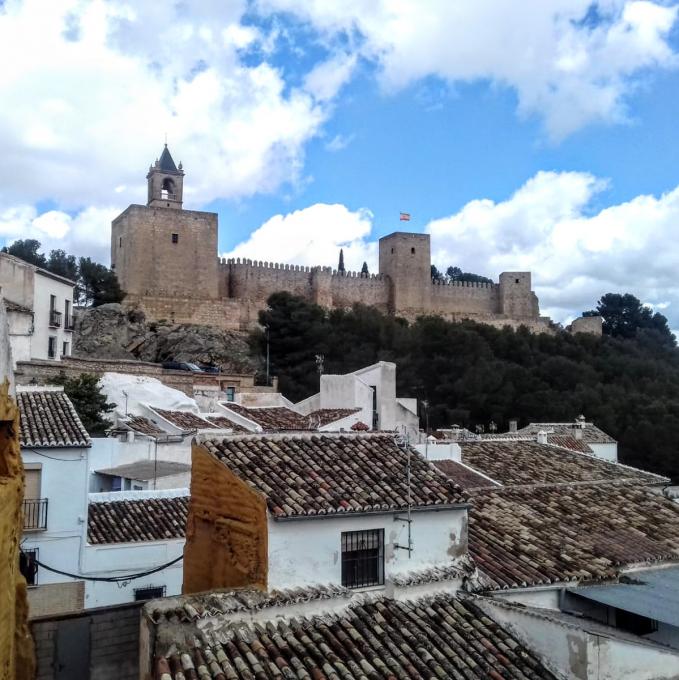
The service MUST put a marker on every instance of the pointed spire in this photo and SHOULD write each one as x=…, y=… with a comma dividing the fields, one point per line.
x=364, y=269
x=340, y=266
x=166, y=162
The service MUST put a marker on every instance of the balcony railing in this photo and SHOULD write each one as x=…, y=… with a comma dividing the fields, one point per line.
x=35, y=514
x=69, y=323
x=55, y=318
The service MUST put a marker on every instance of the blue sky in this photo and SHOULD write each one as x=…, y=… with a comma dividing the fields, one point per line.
x=540, y=138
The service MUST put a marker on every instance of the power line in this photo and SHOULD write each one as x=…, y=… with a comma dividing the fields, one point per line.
x=44, y=455
x=108, y=579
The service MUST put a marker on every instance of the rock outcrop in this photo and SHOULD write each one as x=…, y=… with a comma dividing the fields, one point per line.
x=112, y=332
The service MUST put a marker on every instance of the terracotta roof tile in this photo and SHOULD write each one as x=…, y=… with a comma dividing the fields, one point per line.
x=143, y=426
x=314, y=474
x=534, y=535
x=591, y=434
x=184, y=419
x=224, y=422
x=326, y=416
x=527, y=462
x=462, y=475
x=48, y=419
x=144, y=470
x=440, y=637
x=281, y=418
x=132, y=521
x=569, y=442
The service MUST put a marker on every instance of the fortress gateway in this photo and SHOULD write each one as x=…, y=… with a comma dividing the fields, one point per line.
x=166, y=260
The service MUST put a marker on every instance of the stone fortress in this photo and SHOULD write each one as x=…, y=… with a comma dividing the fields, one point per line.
x=166, y=259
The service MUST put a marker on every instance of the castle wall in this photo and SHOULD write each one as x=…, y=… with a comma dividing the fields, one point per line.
x=150, y=260
x=350, y=288
x=464, y=298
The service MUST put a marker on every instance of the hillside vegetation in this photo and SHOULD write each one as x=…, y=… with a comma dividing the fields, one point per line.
x=626, y=382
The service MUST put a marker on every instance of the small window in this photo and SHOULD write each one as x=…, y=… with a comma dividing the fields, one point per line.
x=517, y=280
x=28, y=566
x=65, y=349
x=149, y=593
x=53, y=303
x=230, y=393
x=52, y=347
x=392, y=251
x=175, y=238
x=412, y=251
x=120, y=242
x=363, y=558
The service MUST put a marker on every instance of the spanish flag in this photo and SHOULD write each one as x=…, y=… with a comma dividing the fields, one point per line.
x=405, y=217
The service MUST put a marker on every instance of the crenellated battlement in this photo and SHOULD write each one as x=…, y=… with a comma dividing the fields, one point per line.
x=465, y=284
x=166, y=260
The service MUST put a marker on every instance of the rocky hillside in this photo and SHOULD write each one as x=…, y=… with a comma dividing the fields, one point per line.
x=111, y=332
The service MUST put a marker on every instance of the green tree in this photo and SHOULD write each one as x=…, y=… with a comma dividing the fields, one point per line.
x=456, y=274
x=97, y=285
x=364, y=269
x=340, y=264
x=27, y=250
x=436, y=274
x=62, y=264
x=624, y=316
x=88, y=400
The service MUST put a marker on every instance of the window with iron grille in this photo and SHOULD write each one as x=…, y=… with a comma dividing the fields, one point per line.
x=28, y=566
x=149, y=593
x=363, y=558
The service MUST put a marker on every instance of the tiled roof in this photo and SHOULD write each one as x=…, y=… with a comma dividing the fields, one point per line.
x=184, y=419
x=527, y=462
x=462, y=475
x=146, y=469
x=143, y=426
x=442, y=637
x=48, y=419
x=132, y=521
x=273, y=419
x=218, y=604
x=314, y=474
x=568, y=442
x=224, y=422
x=537, y=535
x=325, y=416
x=590, y=433
x=16, y=307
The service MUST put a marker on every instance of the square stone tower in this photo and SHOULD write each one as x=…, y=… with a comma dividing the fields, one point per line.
x=162, y=250
x=406, y=259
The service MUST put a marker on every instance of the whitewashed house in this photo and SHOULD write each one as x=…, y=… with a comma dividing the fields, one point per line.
x=54, y=446
x=333, y=509
x=372, y=390
x=39, y=310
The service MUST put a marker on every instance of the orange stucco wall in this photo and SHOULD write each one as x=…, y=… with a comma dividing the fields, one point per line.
x=226, y=533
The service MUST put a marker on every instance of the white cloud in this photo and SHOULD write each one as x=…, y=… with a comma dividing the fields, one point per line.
x=88, y=233
x=570, y=61
x=547, y=227
x=339, y=142
x=94, y=86
x=313, y=236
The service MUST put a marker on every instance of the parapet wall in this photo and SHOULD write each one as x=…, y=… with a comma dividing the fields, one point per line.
x=465, y=297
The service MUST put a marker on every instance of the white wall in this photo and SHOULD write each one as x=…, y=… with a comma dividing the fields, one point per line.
x=126, y=558
x=308, y=552
x=605, y=451
x=64, y=484
x=544, y=598
x=574, y=653
x=20, y=335
x=44, y=287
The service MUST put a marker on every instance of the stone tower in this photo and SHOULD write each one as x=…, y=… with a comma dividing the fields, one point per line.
x=160, y=250
x=406, y=259
x=165, y=182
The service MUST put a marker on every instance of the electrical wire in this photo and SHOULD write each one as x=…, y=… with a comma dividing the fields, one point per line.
x=107, y=579
x=44, y=455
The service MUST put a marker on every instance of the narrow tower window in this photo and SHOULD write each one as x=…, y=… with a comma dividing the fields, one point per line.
x=175, y=238
x=412, y=250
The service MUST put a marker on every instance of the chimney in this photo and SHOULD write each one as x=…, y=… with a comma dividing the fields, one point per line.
x=542, y=437
x=579, y=427
x=513, y=425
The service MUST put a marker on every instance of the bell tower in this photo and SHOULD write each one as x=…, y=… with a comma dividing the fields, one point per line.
x=165, y=183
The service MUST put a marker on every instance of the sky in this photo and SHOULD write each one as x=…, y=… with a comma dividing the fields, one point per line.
x=538, y=136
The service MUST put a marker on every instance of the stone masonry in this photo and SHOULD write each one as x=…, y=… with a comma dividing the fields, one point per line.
x=166, y=260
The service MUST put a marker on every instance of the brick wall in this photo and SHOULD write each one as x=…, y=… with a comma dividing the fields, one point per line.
x=113, y=649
